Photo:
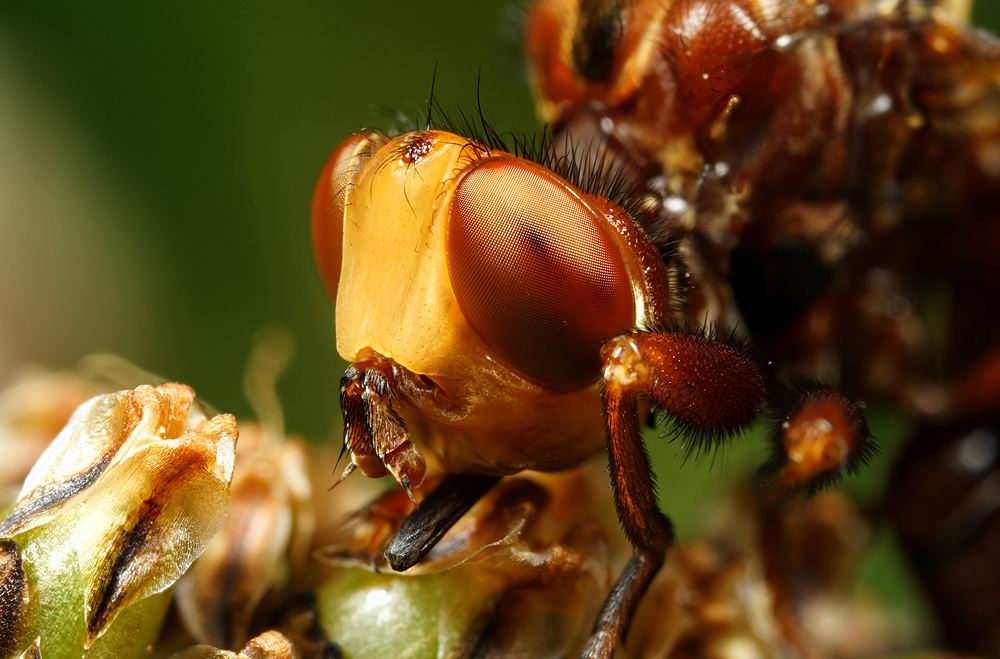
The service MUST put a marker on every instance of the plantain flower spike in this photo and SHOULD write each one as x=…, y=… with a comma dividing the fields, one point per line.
x=522, y=574
x=265, y=538
x=116, y=509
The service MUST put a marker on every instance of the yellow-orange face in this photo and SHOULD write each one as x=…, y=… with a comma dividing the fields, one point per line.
x=489, y=277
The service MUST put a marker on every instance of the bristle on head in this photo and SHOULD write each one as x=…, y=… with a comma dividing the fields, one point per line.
x=589, y=165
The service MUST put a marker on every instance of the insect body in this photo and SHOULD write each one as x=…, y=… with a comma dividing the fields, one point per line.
x=820, y=165
x=499, y=311
x=790, y=166
x=828, y=173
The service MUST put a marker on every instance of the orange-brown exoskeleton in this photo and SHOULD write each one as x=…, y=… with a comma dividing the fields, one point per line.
x=829, y=171
x=816, y=173
x=512, y=314
x=824, y=168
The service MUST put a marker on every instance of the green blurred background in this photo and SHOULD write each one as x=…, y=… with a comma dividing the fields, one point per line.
x=157, y=162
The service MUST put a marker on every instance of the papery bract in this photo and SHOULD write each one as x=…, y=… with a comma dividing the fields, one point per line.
x=270, y=492
x=117, y=508
x=34, y=651
x=13, y=598
x=269, y=645
x=33, y=409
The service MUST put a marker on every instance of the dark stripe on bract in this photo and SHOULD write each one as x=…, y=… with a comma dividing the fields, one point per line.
x=112, y=590
x=51, y=495
x=13, y=598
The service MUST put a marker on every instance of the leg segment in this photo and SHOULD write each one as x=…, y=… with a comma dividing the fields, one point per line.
x=818, y=434
x=631, y=474
x=616, y=614
x=710, y=389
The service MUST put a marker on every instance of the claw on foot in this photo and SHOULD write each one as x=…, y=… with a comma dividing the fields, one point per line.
x=407, y=466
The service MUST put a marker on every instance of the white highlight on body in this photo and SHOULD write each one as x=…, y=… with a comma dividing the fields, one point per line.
x=881, y=104
x=745, y=20
x=978, y=450
x=675, y=205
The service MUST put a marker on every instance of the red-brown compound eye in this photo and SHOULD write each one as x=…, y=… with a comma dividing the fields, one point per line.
x=328, y=208
x=536, y=272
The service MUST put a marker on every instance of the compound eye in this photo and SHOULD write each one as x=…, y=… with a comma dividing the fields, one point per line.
x=536, y=272
x=329, y=204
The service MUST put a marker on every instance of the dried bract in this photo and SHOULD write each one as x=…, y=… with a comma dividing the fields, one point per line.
x=117, y=508
x=269, y=645
x=34, y=651
x=270, y=494
x=708, y=604
x=780, y=581
x=13, y=598
x=265, y=538
x=33, y=409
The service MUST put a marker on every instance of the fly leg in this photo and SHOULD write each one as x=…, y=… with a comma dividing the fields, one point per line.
x=710, y=389
x=818, y=435
x=374, y=432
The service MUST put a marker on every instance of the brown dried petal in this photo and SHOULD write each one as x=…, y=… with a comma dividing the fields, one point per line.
x=499, y=519
x=701, y=599
x=219, y=593
x=473, y=607
x=517, y=576
x=512, y=526
x=34, y=651
x=88, y=444
x=70, y=465
x=153, y=515
x=147, y=478
x=269, y=645
x=32, y=412
x=13, y=598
